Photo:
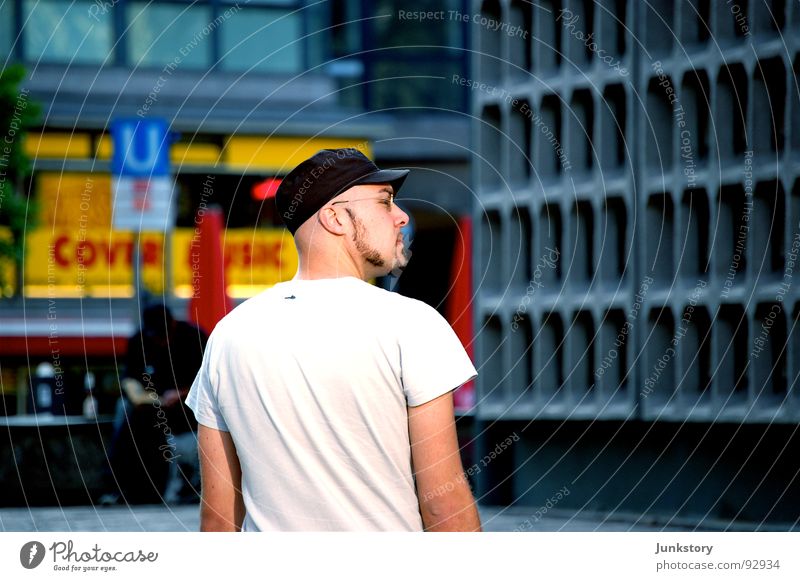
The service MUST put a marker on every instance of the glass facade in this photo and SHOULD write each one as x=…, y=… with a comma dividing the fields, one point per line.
x=393, y=26
x=159, y=34
x=407, y=62
x=6, y=28
x=262, y=36
x=415, y=84
x=262, y=39
x=76, y=32
x=380, y=57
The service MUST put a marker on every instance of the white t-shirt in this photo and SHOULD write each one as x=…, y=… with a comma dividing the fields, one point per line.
x=312, y=378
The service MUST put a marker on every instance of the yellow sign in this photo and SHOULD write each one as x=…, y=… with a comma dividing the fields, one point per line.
x=62, y=262
x=255, y=259
x=280, y=154
x=74, y=200
x=75, y=252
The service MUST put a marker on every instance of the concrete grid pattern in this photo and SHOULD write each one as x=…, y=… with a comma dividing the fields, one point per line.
x=638, y=215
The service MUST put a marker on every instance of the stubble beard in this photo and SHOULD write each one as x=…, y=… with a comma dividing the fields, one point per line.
x=371, y=255
x=401, y=262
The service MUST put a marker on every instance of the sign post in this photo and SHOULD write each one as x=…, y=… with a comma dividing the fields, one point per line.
x=142, y=186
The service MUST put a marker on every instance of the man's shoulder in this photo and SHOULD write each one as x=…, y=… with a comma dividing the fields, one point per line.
x=246, y=309
x=254, y=309
x=407, y=308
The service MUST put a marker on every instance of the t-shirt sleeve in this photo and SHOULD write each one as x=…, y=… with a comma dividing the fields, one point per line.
x=432, y=359
x=202, y=398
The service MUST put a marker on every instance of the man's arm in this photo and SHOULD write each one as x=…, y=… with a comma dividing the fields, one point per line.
x=138, y=395
x=445, y=500
x=136, y=392
x=221, y=506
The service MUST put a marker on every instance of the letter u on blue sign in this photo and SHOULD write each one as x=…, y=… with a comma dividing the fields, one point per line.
x=141, y=147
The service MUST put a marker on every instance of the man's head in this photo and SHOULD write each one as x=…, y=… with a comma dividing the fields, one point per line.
x=339, y=204
x=157, y=323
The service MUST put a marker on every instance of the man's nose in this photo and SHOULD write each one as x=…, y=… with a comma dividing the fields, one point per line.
x=401, y=218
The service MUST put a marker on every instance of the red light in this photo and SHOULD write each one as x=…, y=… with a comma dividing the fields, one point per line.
x=266, y=189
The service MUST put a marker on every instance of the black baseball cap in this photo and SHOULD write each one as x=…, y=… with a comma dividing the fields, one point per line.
x=325, y=175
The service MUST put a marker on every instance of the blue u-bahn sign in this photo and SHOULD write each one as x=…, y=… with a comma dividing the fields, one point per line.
x=141, y=147
x=141, y=178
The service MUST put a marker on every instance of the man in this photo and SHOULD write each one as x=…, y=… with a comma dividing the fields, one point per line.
x=325, y=403
x=153, y=437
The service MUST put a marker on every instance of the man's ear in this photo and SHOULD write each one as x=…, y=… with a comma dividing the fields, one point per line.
x=329, y=219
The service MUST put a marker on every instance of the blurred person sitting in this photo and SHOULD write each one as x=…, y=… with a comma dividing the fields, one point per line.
x=153, y=450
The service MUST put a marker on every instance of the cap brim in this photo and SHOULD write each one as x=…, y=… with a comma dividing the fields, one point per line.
x=393, y=177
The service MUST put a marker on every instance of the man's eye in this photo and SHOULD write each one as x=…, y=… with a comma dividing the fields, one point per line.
x=387, y=202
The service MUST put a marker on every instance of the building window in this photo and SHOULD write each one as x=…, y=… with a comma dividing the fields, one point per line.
x=160, y=34
x=64, y=32
x=262, y=39
x=6, y=28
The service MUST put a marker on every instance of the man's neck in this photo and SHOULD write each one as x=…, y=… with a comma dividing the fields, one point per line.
x=320, y=269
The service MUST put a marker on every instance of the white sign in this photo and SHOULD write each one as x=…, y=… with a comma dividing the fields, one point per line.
x=143, y=203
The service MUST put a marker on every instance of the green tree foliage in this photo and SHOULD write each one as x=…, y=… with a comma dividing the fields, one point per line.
x=17, y=113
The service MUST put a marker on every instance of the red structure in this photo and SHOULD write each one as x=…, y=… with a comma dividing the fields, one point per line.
x=209, y=302
x=459, y=303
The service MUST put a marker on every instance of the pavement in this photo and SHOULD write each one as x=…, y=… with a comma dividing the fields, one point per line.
x=177, y=518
